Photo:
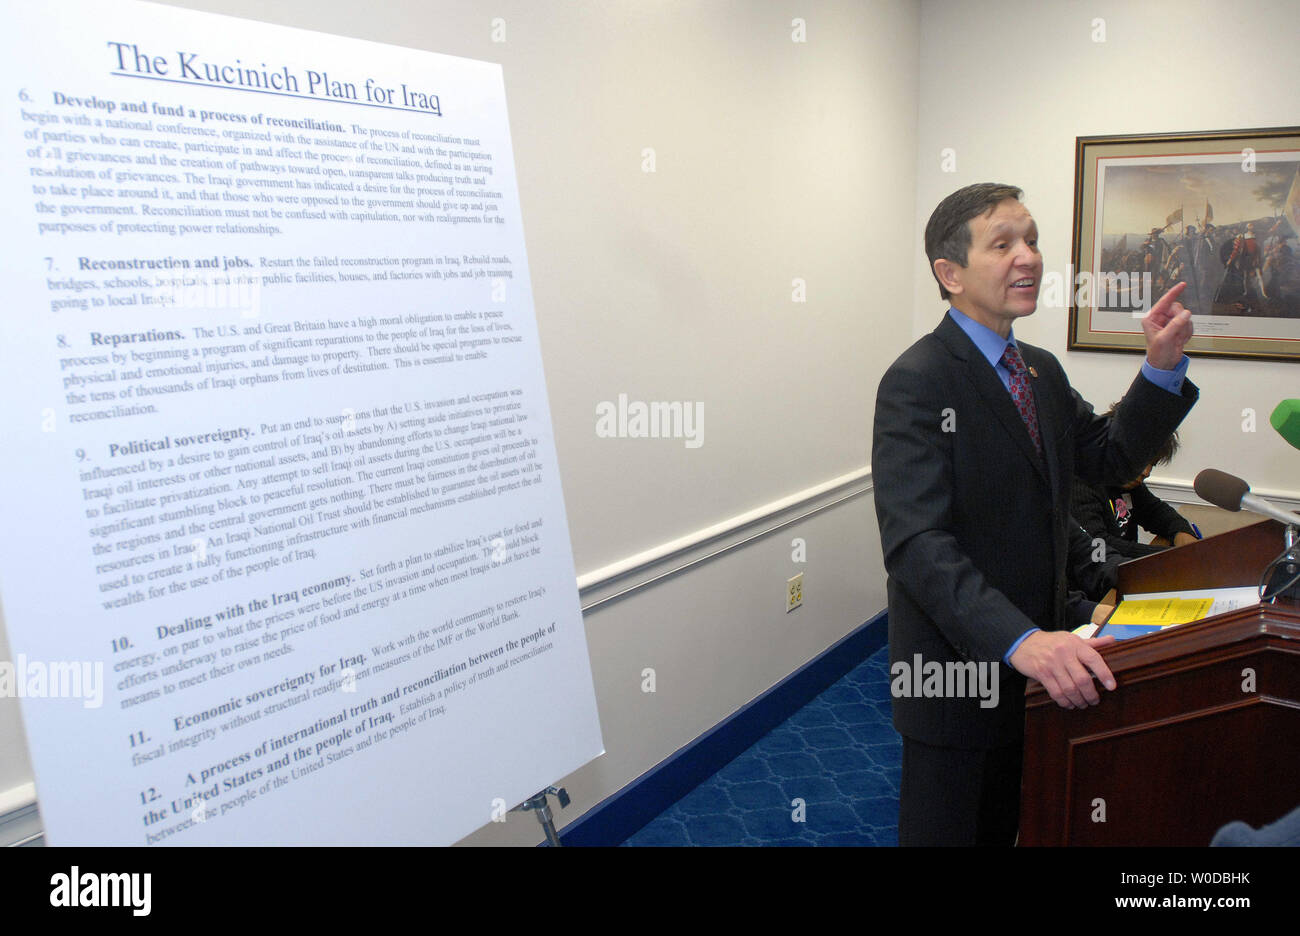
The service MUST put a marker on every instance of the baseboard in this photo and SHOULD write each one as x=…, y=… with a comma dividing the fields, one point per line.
x=621, y=814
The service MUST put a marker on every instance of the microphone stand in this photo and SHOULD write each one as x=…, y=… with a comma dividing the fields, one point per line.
x=1281, y=578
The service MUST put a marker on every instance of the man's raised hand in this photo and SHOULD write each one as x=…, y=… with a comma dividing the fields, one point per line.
x=1168, y=328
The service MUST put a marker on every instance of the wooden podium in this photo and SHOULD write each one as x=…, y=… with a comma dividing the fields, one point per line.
x=1202, y=728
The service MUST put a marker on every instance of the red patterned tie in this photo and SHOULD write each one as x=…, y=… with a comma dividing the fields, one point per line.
x=1021, y=395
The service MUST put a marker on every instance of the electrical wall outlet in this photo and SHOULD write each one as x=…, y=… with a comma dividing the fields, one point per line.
x=794, y=592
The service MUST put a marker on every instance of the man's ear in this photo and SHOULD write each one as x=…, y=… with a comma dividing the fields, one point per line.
x=949, y=275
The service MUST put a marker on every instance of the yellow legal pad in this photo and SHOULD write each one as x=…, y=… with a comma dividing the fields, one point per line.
x=1160, y=612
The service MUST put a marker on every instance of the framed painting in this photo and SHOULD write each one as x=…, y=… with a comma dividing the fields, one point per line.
x=1219, y=211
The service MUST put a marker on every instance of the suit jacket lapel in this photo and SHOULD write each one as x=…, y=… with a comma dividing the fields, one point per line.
x=995, y=396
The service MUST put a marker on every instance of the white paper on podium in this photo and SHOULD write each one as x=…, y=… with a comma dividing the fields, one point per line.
x=285, y=554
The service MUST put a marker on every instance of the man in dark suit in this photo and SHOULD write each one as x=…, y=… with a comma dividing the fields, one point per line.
x=977, y=437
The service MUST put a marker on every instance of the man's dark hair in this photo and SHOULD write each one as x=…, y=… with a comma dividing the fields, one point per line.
x=1165, y=454
x=947, y=233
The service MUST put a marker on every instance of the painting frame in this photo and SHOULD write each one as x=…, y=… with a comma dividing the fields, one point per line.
x=1118, y=177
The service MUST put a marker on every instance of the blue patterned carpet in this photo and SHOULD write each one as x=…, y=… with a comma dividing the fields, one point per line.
x=828, y=775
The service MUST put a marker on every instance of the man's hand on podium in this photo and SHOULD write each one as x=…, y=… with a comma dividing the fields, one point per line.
x=1065, y=665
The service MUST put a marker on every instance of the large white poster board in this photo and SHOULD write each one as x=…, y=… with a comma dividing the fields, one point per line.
x=284, y=552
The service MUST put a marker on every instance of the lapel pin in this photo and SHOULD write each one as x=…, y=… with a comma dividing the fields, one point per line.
x=1033, y=373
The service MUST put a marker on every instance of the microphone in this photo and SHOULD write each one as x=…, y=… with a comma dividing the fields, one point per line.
x=1231, y=493
x=1286, y=420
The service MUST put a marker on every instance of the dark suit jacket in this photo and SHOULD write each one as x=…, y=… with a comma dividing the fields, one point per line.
x=1089, y=574
x=973, y=520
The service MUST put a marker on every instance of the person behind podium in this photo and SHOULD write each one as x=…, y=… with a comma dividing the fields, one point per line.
x=976, y=439
x=1113, y=513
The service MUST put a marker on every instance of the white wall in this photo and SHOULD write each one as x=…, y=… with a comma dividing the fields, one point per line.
x=1009, y=84
x=775, y=160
